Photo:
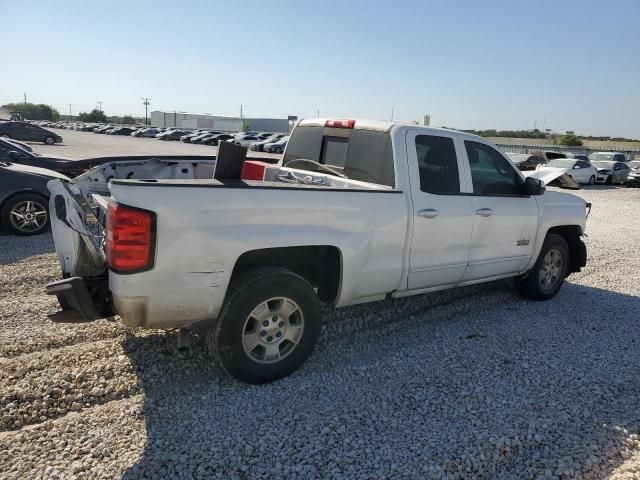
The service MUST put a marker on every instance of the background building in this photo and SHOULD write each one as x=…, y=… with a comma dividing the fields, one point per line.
x=216, y=122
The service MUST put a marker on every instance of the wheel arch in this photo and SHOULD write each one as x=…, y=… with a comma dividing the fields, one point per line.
x=577, y=250
x=320, y=265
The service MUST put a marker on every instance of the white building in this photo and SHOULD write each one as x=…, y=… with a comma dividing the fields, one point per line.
x=216, y=122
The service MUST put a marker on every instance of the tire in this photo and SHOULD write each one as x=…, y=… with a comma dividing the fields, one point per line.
x=277, y=150
x=49, y=140
x=543, y=281
x=268, y=311
x=609, y=180
x=21, y=205
x=592, y=180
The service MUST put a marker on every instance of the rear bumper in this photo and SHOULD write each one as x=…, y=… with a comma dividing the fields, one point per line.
x=77, y=300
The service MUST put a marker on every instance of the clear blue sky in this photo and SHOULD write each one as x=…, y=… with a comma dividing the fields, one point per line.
x=470, y=64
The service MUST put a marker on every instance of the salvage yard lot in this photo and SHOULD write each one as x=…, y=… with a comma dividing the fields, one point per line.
x=471, y=383
x=78, y=145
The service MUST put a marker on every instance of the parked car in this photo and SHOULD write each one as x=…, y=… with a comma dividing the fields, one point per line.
x=121, y=131
x=526, y=161
x=608, y=157
x=579, y=170
x=215, y=139
x=171, y=134
x=259, y=146
x=611, y=172
x=22, y=145
x=245, y=140
x=350, y=220
x=14, y=154
x=276, y=147
x=203, y=135
x=578, y=156
x=24, y=207
x=28, y=133
x=633, y=180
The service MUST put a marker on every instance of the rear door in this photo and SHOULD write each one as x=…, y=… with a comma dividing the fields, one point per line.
x=505, y=221
x=442, y=213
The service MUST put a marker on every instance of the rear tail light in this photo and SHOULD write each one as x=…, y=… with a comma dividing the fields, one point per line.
x=340, y=123
x=131, y=238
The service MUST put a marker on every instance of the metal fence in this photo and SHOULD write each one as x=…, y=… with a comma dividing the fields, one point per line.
x=630, y=154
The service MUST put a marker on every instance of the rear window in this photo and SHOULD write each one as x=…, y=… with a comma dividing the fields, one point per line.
x=363, y=155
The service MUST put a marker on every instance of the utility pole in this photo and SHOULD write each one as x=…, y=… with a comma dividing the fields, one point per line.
x=241, y=117
x=25, y=99
x=145, y=102
x=391, y=114
x=69, y=113
x=99, y=106
x=318, y=113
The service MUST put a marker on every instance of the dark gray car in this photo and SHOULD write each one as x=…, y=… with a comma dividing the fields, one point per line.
x=24, y=198
x=27, y=132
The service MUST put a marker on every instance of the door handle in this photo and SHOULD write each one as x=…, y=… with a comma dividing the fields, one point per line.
x=484, y=212
x=428, y=213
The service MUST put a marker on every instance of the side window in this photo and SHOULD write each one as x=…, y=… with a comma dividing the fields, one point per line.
x=491, y=173
x=438, y=165
x=582, y=164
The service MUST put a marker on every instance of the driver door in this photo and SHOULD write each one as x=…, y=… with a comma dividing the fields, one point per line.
x=505, y=221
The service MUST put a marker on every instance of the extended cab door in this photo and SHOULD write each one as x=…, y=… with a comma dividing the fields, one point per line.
x=442, y=215
x=505, y=221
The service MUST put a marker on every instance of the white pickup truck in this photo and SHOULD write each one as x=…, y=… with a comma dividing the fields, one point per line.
x=356, y=211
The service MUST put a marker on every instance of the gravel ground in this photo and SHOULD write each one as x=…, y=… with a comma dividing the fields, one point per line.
x=78, y=145
x=472, y=383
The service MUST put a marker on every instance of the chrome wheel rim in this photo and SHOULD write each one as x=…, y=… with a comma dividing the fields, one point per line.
x=28, y=216
x=49, y=141
x=272, y=330
x=551, y=269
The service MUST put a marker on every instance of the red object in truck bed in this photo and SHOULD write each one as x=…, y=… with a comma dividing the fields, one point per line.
x=255, y=170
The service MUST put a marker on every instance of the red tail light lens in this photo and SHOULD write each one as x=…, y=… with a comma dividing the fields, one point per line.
x=131, y=238
x=340, y=123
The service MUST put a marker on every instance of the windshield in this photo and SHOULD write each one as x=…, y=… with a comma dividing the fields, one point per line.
x=607, y=165
x=601, y=156
x=561, y=163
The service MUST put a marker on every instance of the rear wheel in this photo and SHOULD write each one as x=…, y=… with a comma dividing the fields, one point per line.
x=544, y=280
x=268, y=326
x=49, y=140
x=25, y=214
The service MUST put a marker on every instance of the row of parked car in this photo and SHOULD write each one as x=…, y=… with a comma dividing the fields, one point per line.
x=257, y=141
x=599, y=167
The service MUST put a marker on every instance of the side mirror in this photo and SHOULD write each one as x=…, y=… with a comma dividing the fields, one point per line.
x=14, y=156
x=533, y=186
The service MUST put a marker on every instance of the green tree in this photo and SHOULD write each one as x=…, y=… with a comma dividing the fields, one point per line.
x=570, y=139
x=33, y=111
x=245, y=127
x=128, y=119
x=95, y=116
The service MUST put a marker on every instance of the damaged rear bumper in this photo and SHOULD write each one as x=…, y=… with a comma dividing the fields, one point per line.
x=80, y=300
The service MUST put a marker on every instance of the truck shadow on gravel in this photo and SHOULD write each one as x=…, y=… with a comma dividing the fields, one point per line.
x=476, y=382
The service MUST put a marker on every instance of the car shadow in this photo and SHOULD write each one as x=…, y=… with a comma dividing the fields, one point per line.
x=558, y=379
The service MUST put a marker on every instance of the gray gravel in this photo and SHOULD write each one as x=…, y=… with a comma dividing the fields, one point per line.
x=473, y=383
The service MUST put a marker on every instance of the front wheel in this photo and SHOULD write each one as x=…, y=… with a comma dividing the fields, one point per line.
x=268, y=326
x=592, y=180
x=609, y=180
x=546, y=277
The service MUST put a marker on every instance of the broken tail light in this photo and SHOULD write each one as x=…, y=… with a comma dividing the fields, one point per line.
x=131, y=238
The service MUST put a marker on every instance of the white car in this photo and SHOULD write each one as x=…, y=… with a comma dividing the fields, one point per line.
x=245, y=140
x=356, y=211
x=581, y=171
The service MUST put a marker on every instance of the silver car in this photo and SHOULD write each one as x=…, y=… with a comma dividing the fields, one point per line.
x=610, y=172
